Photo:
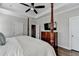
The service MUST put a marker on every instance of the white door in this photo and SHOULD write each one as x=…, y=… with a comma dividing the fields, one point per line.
x=74, y=28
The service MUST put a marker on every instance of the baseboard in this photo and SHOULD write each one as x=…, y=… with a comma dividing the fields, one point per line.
x=64, y=47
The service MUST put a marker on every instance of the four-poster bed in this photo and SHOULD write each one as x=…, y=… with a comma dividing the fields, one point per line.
x=23, y=45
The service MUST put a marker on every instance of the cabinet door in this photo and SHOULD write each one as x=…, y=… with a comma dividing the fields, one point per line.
x=42, y=35
x=45, y=36
x=48, y=37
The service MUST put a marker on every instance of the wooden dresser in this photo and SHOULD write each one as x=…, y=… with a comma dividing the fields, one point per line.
x=46, y=36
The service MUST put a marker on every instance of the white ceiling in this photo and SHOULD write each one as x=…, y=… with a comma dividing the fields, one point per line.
x=66, y=8
x=16, y=7
x=20, y=9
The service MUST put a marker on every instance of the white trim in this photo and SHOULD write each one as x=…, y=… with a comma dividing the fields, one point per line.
x=70, y=38
x=11, y=13
x=62, y=4
x=67, y=10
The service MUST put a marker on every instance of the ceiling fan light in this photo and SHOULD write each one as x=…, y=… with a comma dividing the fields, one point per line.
x=32, y=9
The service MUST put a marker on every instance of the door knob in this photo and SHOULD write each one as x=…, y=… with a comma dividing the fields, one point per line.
x=72, y=35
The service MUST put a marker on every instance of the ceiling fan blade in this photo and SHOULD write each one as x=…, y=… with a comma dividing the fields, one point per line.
x=25, y=4
x=42, y=6
x=27, y=10
x=35, y=11
x=32, y=4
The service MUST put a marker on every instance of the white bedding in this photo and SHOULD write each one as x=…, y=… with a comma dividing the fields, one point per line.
x=26, y=46
x=35, y=47
x=11, y=48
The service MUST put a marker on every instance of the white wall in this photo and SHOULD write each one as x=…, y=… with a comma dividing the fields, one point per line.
x=63, y=31
x=42, y=20
x=8, y=24
x=63, y=27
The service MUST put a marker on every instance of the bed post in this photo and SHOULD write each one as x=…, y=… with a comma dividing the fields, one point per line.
x=52, y=27
x=28, y=28
x=53, y=40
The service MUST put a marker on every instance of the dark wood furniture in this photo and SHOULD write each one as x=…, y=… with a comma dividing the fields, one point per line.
x=28, y=28
x=46, y=36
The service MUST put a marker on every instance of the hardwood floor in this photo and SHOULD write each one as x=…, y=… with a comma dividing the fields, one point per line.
x=65, y=52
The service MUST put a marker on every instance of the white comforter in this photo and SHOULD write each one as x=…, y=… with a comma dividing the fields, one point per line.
x=11, y=48
x=26, y=46
x=35, y=47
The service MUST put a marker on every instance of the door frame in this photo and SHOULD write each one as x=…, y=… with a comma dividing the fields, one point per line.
x=70, y=33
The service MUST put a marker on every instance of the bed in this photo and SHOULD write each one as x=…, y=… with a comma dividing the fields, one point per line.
x=26, y=46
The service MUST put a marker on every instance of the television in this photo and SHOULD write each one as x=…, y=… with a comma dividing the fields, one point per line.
x=47, y=26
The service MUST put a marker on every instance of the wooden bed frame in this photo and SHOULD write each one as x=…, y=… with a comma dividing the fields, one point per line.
x=53, y=39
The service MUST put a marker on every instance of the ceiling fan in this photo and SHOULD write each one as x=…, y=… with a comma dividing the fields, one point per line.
x=33, y=7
